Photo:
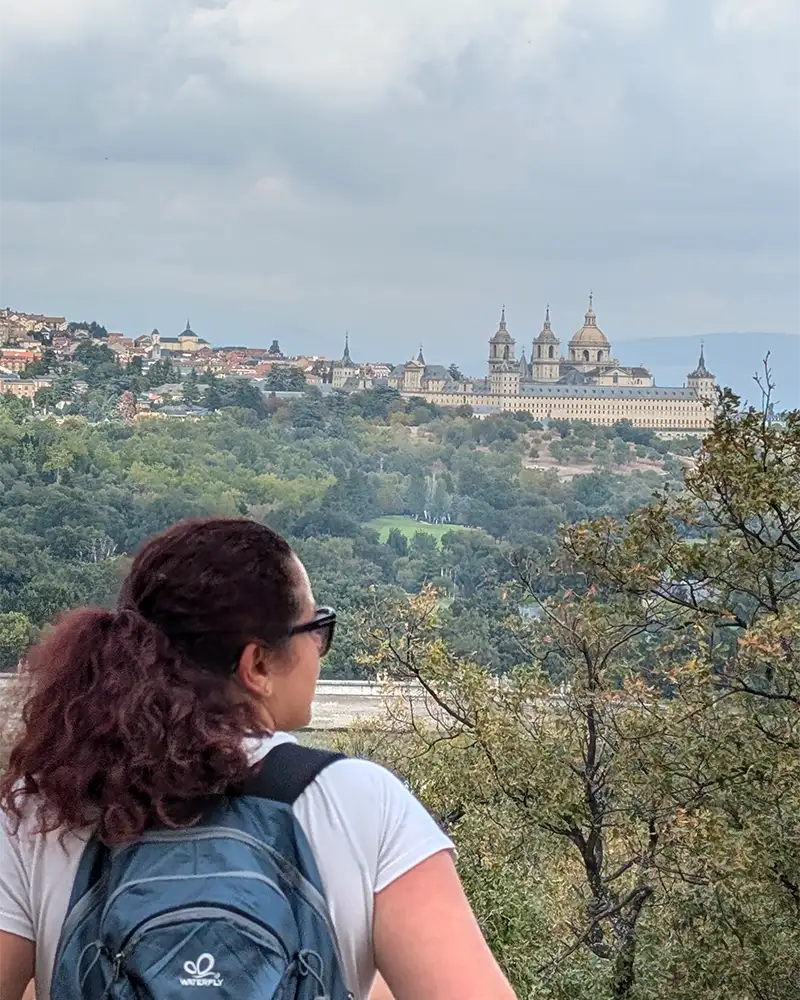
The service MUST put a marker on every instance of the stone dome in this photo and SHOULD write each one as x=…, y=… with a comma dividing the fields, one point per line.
x=590, y=334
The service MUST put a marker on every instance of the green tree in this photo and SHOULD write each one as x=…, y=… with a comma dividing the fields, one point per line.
x=44, y=366
x=417, y=492
x=191, y=393
x=16, y=634
x=285, y=379
x=455, y=373
x=161, y=372
x=93, y=328
x=45, y=398
x=397, y=542
x=244, y=394
x=64, y=387
x=212, y=397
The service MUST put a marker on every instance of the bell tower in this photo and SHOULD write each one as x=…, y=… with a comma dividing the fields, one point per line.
x=502, y=346
x=701, y=379
x=546, y=353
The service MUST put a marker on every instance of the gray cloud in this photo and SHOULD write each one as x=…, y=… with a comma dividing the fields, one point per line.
x=293, y=170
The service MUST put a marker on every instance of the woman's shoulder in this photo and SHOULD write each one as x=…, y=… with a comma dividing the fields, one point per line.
x=353, y=778
x=381, y=817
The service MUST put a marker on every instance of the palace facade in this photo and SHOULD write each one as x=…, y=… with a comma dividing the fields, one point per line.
x=584, y=382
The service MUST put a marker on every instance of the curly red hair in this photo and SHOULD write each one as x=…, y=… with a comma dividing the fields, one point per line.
x=131, y=715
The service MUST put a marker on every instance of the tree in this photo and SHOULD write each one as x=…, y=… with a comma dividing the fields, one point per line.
x=93, y=328
x=64, y=387
x=93, y=355
x=455, y=373
x=440, y=499
x=285, y=379
x=101, y=367
x=212, y=398
x=17, y=632
x=244, y=394
x=417, y=492
x=46, y=364
x=397, y=542
x=13, y=408
x=45, y=398
x=530, y=770
x=377, y=403
x=191, y=394
x=161, y=372
x=275, y=349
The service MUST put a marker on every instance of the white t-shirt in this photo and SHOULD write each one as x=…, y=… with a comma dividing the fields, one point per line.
x=364, y=826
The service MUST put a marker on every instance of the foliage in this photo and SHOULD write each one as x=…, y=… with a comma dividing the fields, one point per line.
x=285, y=379
x=626, y=803
x=94, y=329
x=78, y=497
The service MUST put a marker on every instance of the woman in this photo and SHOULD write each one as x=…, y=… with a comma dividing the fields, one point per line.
x=140, y=715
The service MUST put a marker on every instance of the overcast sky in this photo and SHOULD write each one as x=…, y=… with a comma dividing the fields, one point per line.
x=402, y=168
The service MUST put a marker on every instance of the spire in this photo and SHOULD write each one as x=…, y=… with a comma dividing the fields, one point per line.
x=523, y=365
x=188, y=327
x=701, y=371
x=346, y=359
x=546, y=335
x=421, y=356
x=590, y=318
x=503, y=318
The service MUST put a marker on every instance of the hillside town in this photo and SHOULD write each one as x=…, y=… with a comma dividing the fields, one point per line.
x=42, y=358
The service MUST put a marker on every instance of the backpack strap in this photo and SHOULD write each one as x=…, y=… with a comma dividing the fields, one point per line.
x=90, y=869
x=284, y=775
x=287, y=771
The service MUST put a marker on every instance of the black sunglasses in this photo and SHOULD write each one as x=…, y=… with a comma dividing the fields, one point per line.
x=323, y=622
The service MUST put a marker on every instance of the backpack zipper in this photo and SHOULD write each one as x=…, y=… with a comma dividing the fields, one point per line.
x=180, y=878
x=191, y=913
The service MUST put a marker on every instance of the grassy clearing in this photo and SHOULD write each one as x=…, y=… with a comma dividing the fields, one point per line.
x=409, y=527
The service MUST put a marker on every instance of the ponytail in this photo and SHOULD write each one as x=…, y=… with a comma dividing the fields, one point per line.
x=120, y=728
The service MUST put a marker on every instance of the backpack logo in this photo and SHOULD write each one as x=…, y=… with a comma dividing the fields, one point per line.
x=201, y=972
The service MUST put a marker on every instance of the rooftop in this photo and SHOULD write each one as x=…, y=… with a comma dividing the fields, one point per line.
x=607, y=391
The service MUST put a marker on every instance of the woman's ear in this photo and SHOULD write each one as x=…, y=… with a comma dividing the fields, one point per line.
x=254, y=670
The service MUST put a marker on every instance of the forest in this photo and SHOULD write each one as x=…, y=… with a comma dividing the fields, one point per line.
x=79, y=495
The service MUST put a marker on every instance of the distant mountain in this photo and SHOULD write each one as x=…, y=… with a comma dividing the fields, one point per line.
x=733, y=358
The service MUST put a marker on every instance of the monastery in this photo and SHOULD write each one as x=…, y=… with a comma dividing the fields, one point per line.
x=585, y=383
